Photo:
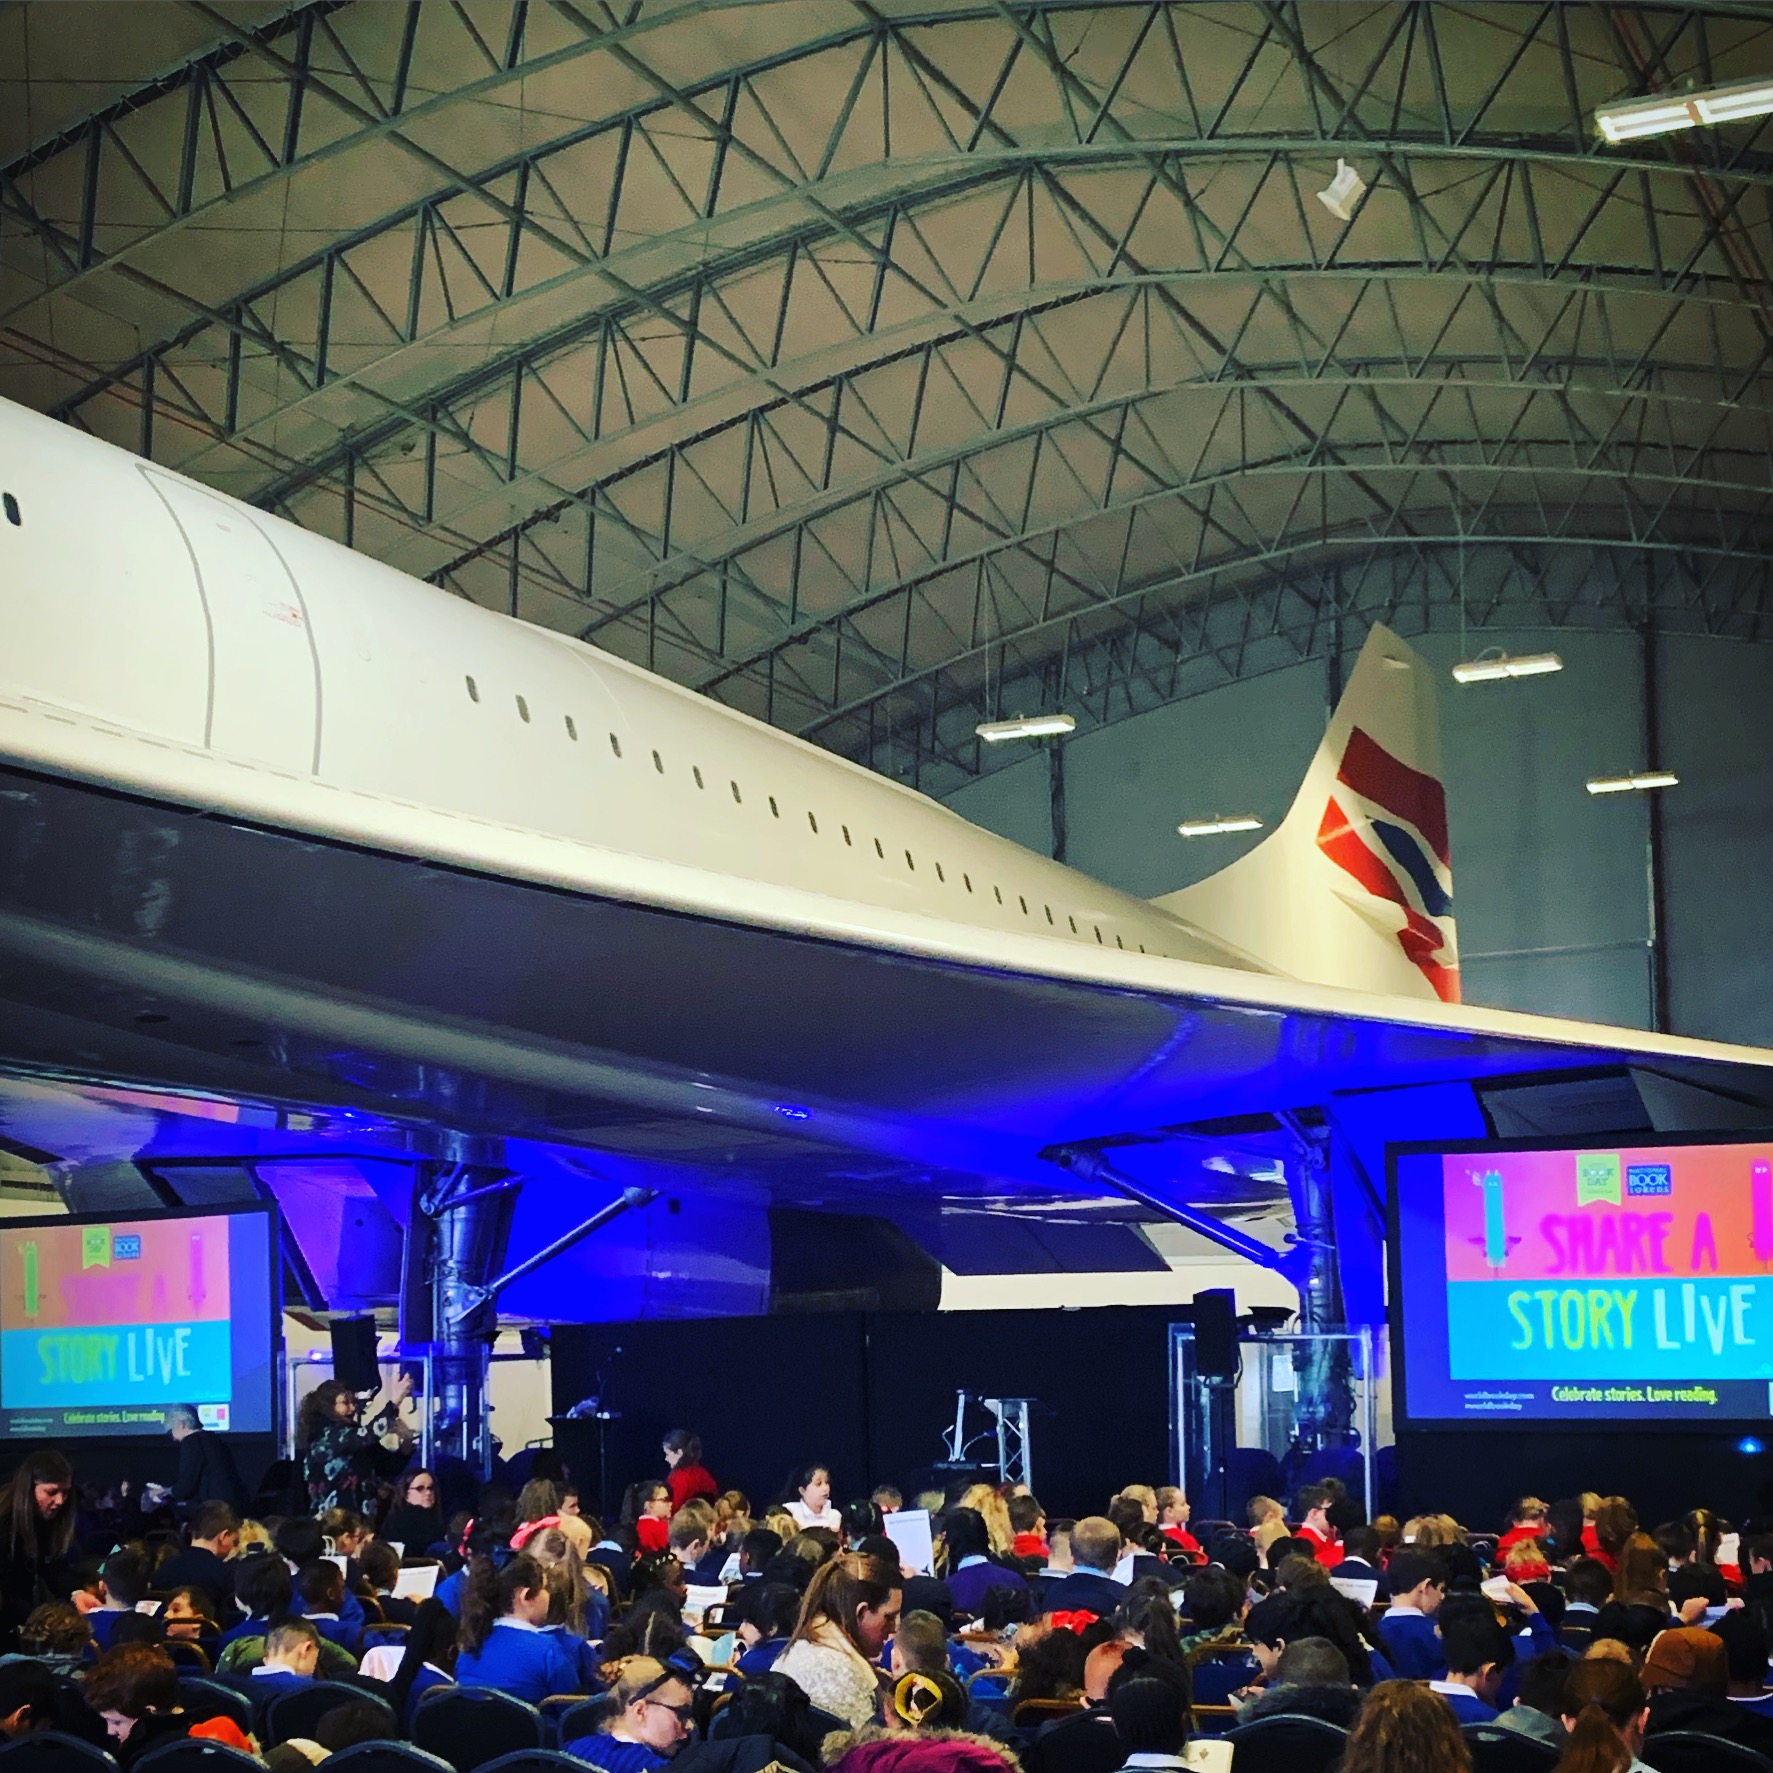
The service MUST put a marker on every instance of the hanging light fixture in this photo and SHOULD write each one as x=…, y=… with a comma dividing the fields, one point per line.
x=1641, y=779
x=1032, y=726
x=1220, y=825
x=1343, y=192
x=1665, y=113
x=1492, y=667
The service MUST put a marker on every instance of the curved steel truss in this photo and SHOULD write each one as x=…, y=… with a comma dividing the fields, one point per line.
x=879, y=367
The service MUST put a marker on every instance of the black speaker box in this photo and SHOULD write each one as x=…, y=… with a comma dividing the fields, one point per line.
x=1215, y=1334
x=354, y=1362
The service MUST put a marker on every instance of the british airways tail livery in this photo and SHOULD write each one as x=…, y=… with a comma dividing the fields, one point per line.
x=1355, y=887
x=281, y=826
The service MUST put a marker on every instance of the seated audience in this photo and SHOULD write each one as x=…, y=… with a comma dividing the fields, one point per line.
x=358, y=1720
x=123, y=1581
x=849, y=1611
x=1312, y=1507
x=646, y=1513
x=1527, y=1523
x=1602, y=1711
x=189, y=1616
x=263, y=1591
x=215, y=1538
x=1404, y=1728
x=1090, y=1588
x=58, y=1635
x=807, y=1499
x=1028, y=1525
x=321, y=1586
x=1479, y=1653
x=1309, y=1678
x=292, y=1659
x=504, y=1642
x=1687, y=1676
x=1150, y=1715
x=920, y=1646
x=1747, y=1649
x=1407, y=1632
x=1537, y=1709
x=415, y=1522
x=649, y=1712
x=768, y=1614
x=135, y=1689
x=972, y=1571
x=30, y=1696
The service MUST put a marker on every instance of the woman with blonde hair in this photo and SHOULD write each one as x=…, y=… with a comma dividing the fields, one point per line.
x=1404, y=1728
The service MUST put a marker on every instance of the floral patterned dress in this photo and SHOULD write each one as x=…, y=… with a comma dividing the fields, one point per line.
x=339, y=1467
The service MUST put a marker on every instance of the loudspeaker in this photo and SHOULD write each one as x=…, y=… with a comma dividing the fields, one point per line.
x=1215, y=1334
x=354, y=1362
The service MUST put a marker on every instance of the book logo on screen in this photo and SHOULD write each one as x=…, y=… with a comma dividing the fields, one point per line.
x=126, y=1247
x=1643, y=1179
x=1598, y=1177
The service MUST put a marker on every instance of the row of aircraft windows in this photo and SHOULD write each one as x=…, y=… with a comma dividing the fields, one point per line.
x=615, y=745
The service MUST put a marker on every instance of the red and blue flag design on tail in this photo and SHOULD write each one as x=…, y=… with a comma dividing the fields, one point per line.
x=1386, y=825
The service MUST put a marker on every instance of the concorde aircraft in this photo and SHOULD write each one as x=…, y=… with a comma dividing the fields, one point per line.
x=280, y=826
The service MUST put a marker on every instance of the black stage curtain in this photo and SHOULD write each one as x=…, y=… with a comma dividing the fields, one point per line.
x=869, y=1394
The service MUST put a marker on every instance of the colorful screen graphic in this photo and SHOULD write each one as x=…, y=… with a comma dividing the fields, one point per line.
x=1611, y=1284
x=104, y=1323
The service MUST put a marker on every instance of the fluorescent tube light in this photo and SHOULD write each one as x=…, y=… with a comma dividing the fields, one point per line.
x=1033, y=726
x=1219, y=825
x=1491, y=669
x=1665, y=113
x=1630, y=784
x=1724, y=104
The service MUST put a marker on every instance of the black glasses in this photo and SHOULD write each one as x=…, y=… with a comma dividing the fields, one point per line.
x=682, y=1713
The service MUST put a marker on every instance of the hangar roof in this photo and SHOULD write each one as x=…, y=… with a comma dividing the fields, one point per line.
x=878, y=367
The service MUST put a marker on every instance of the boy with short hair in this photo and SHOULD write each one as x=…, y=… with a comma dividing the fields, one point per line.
x=1407, y=1633
x=1479, y=1653
x=1313, y=1508
x=322, y=1588
x=292, y=1658
x=123, y=1581
x=1028, y=1523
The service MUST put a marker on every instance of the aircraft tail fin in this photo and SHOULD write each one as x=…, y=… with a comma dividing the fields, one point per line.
x=1355, y=886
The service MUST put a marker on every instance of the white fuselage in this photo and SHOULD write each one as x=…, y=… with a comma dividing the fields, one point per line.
x=137, y=598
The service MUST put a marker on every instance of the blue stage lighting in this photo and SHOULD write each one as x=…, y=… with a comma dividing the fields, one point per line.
x=1748, y=1444
x=788, y=1111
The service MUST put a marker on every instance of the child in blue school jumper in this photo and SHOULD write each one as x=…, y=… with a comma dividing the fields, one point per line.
x=1479, y=1654
x=505, y=1639
x=1407, y=1633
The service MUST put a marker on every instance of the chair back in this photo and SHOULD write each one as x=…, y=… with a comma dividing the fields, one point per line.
x=1694, y=1751
x=187, y=1654
x=203, y=1699
x=50, y=1751
x=472, y=1726
x=535, y=1760
x=299, y=1711
x=1040, y=1711
x=584, y=1719
x=193, y=1754
x=1496, y=1750
x=1286, y=1744
x=386, y=1757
